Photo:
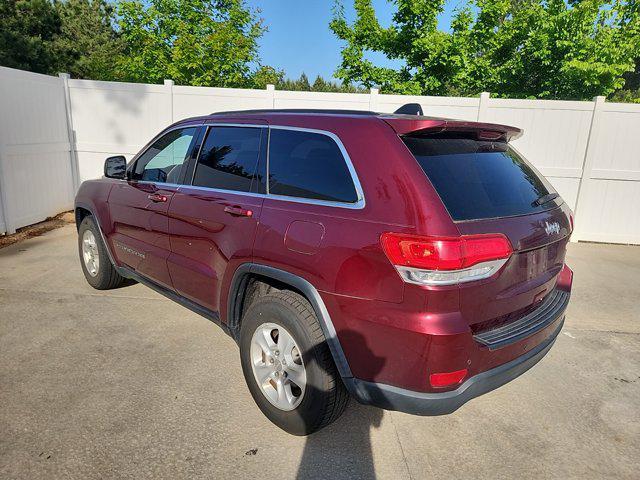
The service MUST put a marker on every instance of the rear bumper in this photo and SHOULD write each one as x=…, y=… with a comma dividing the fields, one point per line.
x=421, y=403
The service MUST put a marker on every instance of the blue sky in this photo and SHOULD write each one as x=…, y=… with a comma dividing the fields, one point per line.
x=299, y=39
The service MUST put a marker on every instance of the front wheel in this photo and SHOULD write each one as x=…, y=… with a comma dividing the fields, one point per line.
x=96, y=265
x=288, y=366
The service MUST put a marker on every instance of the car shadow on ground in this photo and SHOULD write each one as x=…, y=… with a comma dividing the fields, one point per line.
x=343, y=449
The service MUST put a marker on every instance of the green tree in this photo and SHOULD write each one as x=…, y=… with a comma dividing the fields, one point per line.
x=515, y=48
x=74, y=36
x=266, y=75
x=27, y=32
x=302, y=84
x=194, y=42
x=88, y=45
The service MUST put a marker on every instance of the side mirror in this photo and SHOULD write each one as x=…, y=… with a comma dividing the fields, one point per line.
x=115, y=167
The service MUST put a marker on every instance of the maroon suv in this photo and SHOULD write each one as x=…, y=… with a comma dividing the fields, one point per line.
x=411, y=262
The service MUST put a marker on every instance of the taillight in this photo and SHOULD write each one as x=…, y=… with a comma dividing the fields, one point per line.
x=446, y=260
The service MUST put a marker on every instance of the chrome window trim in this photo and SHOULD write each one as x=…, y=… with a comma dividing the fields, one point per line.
x=357, y=205
x=160, y=184
x=221, y=190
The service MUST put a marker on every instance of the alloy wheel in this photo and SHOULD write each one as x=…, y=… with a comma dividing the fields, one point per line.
x=277, y=366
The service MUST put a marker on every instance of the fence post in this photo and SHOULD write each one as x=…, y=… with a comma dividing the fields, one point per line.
x=587, y=167
x=373, y=99
x=4, y=197
x=483, y=106
x=169, y=86
x=271, y=92
x=71, y=133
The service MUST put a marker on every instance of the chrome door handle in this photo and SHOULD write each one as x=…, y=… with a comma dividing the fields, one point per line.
x=238, y=211
x=156, y=197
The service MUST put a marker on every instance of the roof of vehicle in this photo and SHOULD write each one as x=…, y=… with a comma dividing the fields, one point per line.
x=403, y=124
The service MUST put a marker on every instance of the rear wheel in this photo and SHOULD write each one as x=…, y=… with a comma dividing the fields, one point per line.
x=288, y=366
x=96, y=265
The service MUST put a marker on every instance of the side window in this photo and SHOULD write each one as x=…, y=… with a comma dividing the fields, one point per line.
x=229, y=158
x=163, y=161
x=308, y=165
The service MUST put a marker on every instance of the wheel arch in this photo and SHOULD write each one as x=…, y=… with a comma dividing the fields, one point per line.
x=248, y=271
x=83, y=210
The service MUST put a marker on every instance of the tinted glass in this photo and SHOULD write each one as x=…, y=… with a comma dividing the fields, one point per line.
x=480, y=179
x=228, y=158
x=162, y=162
x=308, y=165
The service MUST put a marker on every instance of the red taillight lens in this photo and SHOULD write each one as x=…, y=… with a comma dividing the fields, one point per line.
x=447, y=379
x=444, y=253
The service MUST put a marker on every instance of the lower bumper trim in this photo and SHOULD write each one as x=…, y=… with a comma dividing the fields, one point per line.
x=421, y=403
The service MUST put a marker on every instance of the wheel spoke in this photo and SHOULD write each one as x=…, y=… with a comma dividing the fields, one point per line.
x=297, y=375
x=281, y=393
x=285, y=344
x=263, y=372
x=262, y=339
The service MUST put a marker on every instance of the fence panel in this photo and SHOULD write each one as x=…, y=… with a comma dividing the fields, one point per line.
x=609, y=210
x=448, y=107
x=192, y=101
x=36, y=174
x=113, y=118
x=322, y=100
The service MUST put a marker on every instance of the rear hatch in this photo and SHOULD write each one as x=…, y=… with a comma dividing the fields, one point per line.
x=488, y=188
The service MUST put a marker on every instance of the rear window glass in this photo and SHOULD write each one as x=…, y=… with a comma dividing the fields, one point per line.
x=480, y=179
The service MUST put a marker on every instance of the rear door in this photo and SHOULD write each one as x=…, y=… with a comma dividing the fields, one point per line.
x=487, y=187
x=139, y=206
x=213, y=217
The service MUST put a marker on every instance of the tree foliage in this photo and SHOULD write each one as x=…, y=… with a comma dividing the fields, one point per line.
x=28, y=29
x=88, y=43
x=269, y=75
x=74, y=36
x=515, y=48
x=193, y=42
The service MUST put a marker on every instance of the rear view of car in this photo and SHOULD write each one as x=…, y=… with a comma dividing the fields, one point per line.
x=499, y=289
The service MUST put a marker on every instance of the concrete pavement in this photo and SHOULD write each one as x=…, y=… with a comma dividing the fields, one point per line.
x=127, y=384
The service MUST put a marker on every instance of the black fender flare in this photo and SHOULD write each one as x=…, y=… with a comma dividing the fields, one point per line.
x=236, y=293
x=90, y=209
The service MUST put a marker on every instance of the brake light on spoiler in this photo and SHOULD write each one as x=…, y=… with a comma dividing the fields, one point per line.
x=426, y=260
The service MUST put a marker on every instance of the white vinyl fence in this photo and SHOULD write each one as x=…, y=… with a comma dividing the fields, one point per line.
x=56, y=132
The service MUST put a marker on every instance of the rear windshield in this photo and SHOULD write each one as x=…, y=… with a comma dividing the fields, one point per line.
x=479, y=179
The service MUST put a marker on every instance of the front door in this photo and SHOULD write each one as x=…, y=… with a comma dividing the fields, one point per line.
x=139, y=205
x=213, y=221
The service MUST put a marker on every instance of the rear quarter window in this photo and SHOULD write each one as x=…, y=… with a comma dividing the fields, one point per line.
x=479, y=179
x=309, y=165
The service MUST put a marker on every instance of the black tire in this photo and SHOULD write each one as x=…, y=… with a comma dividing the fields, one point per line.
x=107, y=276
x=325, y=396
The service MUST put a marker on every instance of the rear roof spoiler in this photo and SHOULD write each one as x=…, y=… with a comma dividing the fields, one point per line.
x=406, y=125
x=410, y=109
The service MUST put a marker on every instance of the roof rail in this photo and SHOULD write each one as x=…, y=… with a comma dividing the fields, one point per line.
x=410, y=109
x=298, y=110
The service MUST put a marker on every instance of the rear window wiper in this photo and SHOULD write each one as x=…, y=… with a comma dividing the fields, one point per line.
x=545, y=199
